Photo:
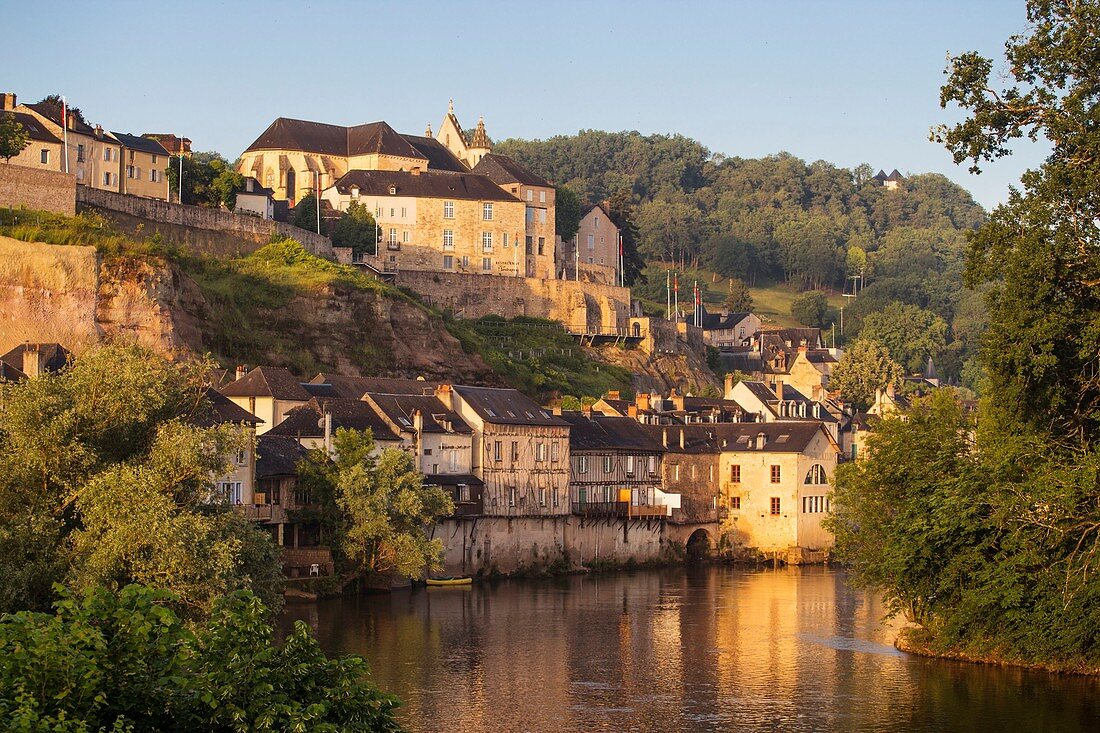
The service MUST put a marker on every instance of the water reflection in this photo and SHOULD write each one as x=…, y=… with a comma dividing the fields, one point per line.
x=703, y=649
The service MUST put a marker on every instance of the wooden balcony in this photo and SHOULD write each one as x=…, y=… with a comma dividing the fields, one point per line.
x=618, y=509
x=262, y=512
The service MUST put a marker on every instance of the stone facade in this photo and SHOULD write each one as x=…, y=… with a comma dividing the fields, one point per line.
x=94, y=157
x=594, y=250
x=44, y=190
x=582, y=308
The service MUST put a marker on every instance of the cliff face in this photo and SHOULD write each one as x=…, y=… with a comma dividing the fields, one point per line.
x=64, y=294
x=658, y=373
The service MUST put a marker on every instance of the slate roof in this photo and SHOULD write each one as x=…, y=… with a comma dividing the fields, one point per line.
x=306, y=421
x=170, y=142
x=506, y=407
x=502, y=170
x=428, y=184
x=57, y=356
x=136, y=142
x=820, y=356
x=278, y=455
x=719, y=321
x=880, y=176
x=221, y=411
x=781, y=437
x=257, y=188
x=52, y=112
x=8, y=373
x=34, y=127
x=354, y=388
x=452, y=479
x=440, y=158
x=320, y=137
x=812, y=337
x=604, y=432
x=895, y=176
x=400, y=407
x=267, y=381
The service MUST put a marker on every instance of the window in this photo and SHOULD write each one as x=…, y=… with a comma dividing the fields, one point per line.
x=775, y=505
x=511, y=496
x=154, y=159
x=542, y=197
x=487, y=263
x=231, y=490
x=391, y=212
x=448, y=239
x=776, y=474
x=427, y=451
x=487, y=212
x=653, y=465
x=693, y=471
x=448, y=209
x=530, y=215
x=540, y=451
x=131, y=171
x=107, y=154
x=465, y=261
x=393, y=236
x=816, y=475
x=448, y=262
x=596, y=221
x=44, y=156
x=554, y=452
x=515, y=451
x=463, y=492
x=498, y=447
x=131, y=156
x=530, y=244
x=530, y=195
x=542, y=497
x=542, y=216
x=608, y=464
x=580, y=464
x=486, y=241
x=815, y=504
x=735, y=503
x=454, y=463
x=504, y=239
x=735, y=474
x=405, y=236
x=630, y=465
x=154, y=175
x=591, y=241
x=80, y=153
x=269, y=180
x=676, y=472
x=542, y=244
x=241, y=459
x=402, y=212
x=106, y=179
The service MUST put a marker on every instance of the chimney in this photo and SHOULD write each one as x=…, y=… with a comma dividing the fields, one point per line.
x=728, y=386
x=418, y=422
x=240, y=371
x=328, y=433
x=70, y=120
x=664, y=437
x=761, y=440
x=681, y=439
x=632, y=412
x=98, y=131
x=586, y=410
x=9, y=101
x=818, y=392
x=416, y=170
x=779, y=388
x=613, y=394
x=445, y=394
x=33, y=360
x=642, y=400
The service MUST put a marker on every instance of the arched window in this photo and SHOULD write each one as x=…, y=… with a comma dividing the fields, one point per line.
x=816, y=475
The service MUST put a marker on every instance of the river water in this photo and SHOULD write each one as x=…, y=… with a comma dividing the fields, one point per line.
x=697, y=649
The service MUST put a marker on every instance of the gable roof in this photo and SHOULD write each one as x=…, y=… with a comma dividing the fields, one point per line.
x=428, y=184
x=137, y=142
x=439, y=157
x=257, y=188
x=311, y=137
x=378, y=138
x=267, y=381
x=52, y=112
x=8, y=373
x=502, y=169
x=506, y=406
x=399, y=409
x=34, y=127
x=353, y=388
x=278, y=455
x=604, y=432
x=56, y=356
x=307, y=421
x=894, y=176
x=719, y=321
x=792, y=436
x=221, y=411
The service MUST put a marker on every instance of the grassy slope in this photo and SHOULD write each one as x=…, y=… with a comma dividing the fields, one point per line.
x=771, y=302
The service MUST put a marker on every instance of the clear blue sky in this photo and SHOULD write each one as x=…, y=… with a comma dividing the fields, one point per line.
x=847, y=82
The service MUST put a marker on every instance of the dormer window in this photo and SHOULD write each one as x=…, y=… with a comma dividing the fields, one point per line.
x=393, y=189
x=355, y=192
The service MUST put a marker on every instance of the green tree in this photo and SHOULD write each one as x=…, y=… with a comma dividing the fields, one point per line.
x=567, y=212
x=54, y=100
x=909, y=333
x=356, y=229
x=738, y=298
x=865, y=368
x=305, y=214
x=225, y=185
x=810, y=308
x=13, y=137
x=375, y=506
x=124, y=661
x=106, y=477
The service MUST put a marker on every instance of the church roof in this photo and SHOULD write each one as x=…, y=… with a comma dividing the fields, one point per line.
x=378, y=138
x=895, y=176
x=502, y=170
x=438, y=156
x=325, y=139
x=880, y=176
x=480, y=139
x=429, y=184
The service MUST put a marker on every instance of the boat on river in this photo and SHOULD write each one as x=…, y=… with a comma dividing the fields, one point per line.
x=449, y=580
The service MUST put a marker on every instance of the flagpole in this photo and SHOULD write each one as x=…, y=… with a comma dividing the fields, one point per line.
x=622, y=279
x=65, y=130
x=181, y=169
x=676, y=294
x=668, y=294
x=576, y=257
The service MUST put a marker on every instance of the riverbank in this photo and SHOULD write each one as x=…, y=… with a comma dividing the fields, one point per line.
x=917, y=641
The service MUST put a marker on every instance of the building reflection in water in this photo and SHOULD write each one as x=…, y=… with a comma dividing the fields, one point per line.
x=698, y=649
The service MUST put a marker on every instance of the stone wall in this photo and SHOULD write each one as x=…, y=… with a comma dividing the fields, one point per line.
x=47, y=293
x=197, y=217
x=482, y=545
x=37, y=189
x=581, y=307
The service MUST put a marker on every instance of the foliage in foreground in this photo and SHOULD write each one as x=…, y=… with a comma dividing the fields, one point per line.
x=106, y=478
x=125, y=661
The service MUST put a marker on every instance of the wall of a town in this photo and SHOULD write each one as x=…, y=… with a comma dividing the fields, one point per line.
x=197, y=217
x=581, y=307
x=34, y=188
x=484, y=545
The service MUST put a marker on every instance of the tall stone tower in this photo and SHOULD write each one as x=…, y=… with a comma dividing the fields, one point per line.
x=478, y=147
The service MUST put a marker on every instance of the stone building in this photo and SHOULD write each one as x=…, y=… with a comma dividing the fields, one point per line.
x=615, y=467
x=594, y=251
x=142, y=167
x=537, y=195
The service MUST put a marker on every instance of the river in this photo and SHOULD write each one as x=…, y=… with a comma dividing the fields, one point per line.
x=697, y=649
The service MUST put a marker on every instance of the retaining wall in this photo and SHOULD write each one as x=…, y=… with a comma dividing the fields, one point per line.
x=37, y=189
x=198, y=217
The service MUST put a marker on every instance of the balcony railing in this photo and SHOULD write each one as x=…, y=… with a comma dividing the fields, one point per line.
x=618, y=509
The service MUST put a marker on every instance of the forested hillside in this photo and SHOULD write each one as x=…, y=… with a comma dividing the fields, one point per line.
x=780, y=219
